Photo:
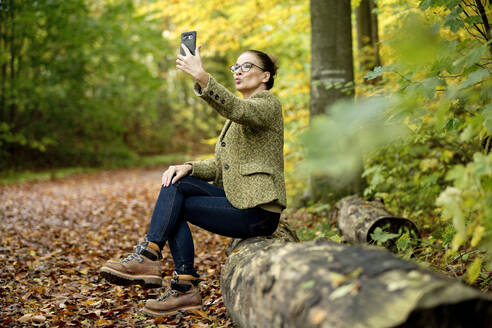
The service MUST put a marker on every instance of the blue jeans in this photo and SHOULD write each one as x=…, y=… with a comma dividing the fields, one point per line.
x=206, y=206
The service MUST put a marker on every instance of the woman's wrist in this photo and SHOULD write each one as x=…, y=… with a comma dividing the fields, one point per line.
x=189, y=169
x=202, y=79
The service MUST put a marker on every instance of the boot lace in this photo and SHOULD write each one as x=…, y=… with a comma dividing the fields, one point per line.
x=134, y=256
x=170, y=292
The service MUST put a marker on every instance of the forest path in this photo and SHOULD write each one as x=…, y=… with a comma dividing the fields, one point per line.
x=56, y=234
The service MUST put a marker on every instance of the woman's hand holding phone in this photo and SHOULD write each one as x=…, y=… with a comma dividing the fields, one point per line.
x=192, y=65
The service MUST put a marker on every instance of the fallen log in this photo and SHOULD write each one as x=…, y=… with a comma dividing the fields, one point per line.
x=357, y=219
x=274, y=282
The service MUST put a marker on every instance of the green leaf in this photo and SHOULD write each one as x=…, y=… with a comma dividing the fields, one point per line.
x=308, y=284
x=428, y=86
x=473, y=19
x=453, y=20
x=336, y=238
x=334, y=143
x=403, y=242
x=474, y=77
x=376, y=72
x=487, y=113
x=424, y=4
x=381, y=236
x=472, y=57
x=453, y=124
x=4, y=127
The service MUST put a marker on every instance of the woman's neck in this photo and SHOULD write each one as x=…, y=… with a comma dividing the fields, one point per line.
x=249, y=93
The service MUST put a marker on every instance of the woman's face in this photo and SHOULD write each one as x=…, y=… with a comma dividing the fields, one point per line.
x=249, y=82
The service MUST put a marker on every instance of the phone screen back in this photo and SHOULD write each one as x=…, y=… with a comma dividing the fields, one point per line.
x=189, y=40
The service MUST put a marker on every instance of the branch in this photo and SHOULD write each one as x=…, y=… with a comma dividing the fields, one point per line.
x=474, y=35
x=485, y=22
x=449, y=76
x=478, y=29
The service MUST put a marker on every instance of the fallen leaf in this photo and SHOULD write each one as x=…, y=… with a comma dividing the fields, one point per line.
x=26, y=317
x=318, y=316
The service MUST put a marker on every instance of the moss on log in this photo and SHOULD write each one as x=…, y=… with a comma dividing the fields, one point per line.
x=271, y=282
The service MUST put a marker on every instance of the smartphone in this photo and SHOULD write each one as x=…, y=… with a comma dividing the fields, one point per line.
x=189, y=40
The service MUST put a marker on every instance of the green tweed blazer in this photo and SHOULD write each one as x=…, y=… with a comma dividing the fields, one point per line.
x=248, y=162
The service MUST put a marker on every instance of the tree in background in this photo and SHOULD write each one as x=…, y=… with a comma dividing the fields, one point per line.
x=332, y=77
x=85, y=83
x=367, y=35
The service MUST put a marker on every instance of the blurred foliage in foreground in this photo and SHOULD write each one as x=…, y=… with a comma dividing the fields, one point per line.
x=436, y=89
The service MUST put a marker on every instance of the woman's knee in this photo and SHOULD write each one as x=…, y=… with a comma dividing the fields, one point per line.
x=185, y=179
x=178, y=185
x=193, y=186
x=188, y=179
x=268, y=225
x=171, y=188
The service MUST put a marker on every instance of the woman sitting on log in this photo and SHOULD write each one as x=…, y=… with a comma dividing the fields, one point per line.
x=248, y=190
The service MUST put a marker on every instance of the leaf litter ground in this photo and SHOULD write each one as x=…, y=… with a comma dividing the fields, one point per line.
x=55, y=235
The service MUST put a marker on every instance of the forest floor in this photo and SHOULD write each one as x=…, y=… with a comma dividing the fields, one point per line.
x=56, y=234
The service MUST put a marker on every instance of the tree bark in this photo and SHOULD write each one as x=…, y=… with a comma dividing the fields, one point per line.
x=3, y=69
x=274, y=282
x=331, y=51
x=367, y=36
x=332, y=76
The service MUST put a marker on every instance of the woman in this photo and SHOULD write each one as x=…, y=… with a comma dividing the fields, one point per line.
x=248, y=190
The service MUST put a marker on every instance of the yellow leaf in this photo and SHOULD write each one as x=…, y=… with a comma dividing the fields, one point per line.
x=429, y=164
x=477, y=235
x=89, y=302
x=201, y=313
x=211, y=141
x=473, y=270
x=318, y=316
x=457, y=241
x=102, y=321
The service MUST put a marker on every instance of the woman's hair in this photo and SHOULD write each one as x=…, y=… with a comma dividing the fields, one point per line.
x=268, y=63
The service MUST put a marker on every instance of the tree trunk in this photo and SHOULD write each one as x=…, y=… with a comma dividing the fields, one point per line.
x=270, y=282
x=375, y=34
x=331, y=51
x=3, y=67
x=332, y=77
x=11, y=116
x=367, y=36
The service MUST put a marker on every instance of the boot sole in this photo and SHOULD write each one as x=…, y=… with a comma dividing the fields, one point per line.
x=121, y=279
x=155, y=313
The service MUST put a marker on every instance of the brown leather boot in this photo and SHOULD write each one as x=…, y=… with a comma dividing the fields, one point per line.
x=182, y=295
x=142, y=267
